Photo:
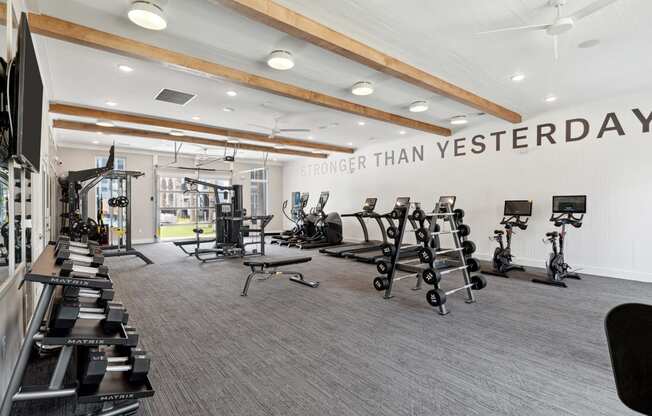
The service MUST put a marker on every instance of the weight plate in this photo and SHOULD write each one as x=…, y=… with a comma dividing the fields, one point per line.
x=418, y=214
x=426, y=254
x=392, y=232
x=464, y=230
x=473, y=264
x=479, y=282
x=431, y=276
x=459, y=214
x=381, y=283
x=382, y=267
x=436, y=297
x=422, y=235
x=468, y=247
x=388, y=250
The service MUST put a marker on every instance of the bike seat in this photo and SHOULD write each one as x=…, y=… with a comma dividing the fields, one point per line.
x=552, y=234
x=499, y=232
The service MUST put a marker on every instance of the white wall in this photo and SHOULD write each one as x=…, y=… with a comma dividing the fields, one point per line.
x=144, y=188
x=614, y=171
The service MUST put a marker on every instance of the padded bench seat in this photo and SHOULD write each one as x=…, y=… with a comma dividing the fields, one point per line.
x=259, y=264
x=269, y=262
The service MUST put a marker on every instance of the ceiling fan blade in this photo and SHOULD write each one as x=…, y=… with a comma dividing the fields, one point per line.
x=555, y=45
x=529, y=28
x=296, y=130
x=591, y=8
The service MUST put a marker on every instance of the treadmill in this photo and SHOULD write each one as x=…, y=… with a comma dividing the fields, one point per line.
x=367, y=212
x=407, y=252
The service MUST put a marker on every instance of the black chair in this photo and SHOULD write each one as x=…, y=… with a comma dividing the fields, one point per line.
x=629, y=335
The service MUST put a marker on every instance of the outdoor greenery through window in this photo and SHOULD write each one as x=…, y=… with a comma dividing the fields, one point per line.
x=258, y=192
x=181, y=210
x=104, y=191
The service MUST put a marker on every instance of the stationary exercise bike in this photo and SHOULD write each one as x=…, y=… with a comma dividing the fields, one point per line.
x=502, y=259
x=556, y=267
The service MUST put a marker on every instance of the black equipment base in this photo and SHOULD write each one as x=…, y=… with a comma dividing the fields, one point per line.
x=130, y=252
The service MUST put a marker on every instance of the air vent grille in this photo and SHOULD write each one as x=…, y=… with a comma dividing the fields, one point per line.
x=174, y=97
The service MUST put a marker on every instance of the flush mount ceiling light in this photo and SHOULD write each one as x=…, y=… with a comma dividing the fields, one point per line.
x=177, y=133
x=316, y=152
x=279, y=146
x=196, y=118
x=148, y=14
x=104, y=123
x=228, y=109
x=361, y=123
x=517, y=77
x=311, y=138
x=96, y=142
x=111, y=103
x=550, y=99
x=280, y=60
x=125, y=68
x=402, y=132
x=349, y=144
x=233, y=141
x=231, y=93
x=362, y=88
x=459, y=120
x=419, y=106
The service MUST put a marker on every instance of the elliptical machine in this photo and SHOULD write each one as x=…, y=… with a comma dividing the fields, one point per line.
x=566, y=208
x=512, y=217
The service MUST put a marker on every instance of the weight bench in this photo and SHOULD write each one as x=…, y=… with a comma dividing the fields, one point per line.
x=259, y=265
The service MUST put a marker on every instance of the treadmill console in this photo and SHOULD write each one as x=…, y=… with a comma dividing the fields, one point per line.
x=444, y=201
x=402, y=201
x=369, y=204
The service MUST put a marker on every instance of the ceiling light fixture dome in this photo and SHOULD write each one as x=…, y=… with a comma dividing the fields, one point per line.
x=459, y=120
x=362, y=88
x=280, y=60
x=419, y=106
x=148, y=14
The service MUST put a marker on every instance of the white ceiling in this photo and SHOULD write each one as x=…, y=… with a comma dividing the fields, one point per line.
x=435, y=35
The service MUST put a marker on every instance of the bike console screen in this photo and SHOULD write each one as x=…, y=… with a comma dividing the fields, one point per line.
x=569, y=204
x=518, y=208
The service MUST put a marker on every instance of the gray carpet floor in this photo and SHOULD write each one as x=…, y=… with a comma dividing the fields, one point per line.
x=341, y=349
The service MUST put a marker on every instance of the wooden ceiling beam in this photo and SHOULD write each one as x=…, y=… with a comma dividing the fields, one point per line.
x=72, y=32
x=146, y=134
x=302, y=27
x=101, y=114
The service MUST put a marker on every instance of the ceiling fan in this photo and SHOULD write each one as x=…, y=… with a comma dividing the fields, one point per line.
x=562, y=24
x=275, y=131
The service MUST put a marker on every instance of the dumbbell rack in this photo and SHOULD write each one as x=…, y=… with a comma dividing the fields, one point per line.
x=113, y=389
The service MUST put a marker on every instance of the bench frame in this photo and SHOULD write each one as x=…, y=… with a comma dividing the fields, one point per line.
x=259, y=269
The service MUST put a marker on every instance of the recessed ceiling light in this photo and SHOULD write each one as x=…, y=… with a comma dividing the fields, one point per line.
x=349, y=144
x=589, y=43
x=231, y=93
x=177, y=133
x=111, y=103
x=104, y=123
x=402, y=132
x=233, y=141
x=458, y=120
x=196, y=118
x=550, y=99
x=228, y=109
x=517, y=77
x=361, y=123
x=419, y=106
x=96, y=142
x=362, y=88
x=125, y=68
x=148, y=14
x=280, y=60
x=279, y=146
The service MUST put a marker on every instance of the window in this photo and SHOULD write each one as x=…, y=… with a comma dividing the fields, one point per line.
x=180, y=211
x=108, y=189
x=258, y=192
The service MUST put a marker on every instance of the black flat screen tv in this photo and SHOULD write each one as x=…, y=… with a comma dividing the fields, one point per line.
x=26, y=100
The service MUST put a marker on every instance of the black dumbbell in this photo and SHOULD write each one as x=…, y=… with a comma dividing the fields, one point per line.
x=432, y=276
x=94, y=261
x=459, y=214
x=463, y=230
x=388, y=250
x=95, y=363
x=101, y=295
x=437, y=297
x=66, y=313
x=383, y=267
x=392, y=231
x=422, y=235
x=418, y=214
x=381, y=283
x=68, y=268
